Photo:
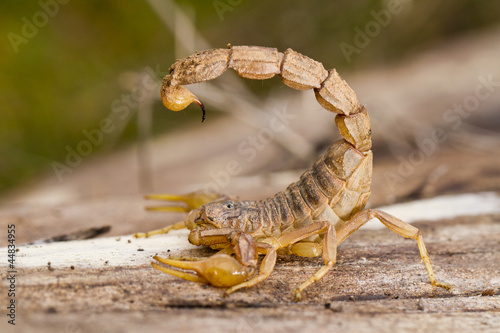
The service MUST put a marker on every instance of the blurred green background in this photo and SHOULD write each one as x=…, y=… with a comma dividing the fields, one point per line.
x=62, y=75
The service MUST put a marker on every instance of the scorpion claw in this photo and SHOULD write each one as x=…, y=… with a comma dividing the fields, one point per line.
x=188, y=202
x=183, y=275
x=220, y=270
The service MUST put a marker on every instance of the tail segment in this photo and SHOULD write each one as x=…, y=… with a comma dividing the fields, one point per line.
x=256, y=62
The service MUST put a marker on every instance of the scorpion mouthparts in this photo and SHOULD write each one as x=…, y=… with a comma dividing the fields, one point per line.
x=194, y=237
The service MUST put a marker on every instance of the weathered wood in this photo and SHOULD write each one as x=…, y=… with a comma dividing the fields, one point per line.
x=378, y=281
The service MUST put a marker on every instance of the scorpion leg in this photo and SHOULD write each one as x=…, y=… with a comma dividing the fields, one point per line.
x=398, y=226
x=188, y=201
x=166, y=230
x=329, y=248
x=183, y=203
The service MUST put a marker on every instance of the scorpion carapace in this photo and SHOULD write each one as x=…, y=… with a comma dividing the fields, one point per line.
x=313, y=215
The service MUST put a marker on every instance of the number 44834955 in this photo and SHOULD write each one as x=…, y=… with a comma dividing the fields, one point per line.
x=11, y=248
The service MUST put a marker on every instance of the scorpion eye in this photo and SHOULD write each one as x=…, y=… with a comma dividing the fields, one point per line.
x=229, y=206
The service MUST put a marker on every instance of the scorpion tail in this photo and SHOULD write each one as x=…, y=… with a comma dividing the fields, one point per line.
x=352, y=119
x=255, y=62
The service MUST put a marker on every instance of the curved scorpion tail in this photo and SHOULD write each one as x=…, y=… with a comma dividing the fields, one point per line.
x=352, y=119
x=256, y=62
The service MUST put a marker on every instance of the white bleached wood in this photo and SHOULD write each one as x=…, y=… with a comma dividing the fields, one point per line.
x=118, y=251
x=441, y=207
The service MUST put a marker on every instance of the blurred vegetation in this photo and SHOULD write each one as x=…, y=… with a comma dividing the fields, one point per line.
x=65, y=78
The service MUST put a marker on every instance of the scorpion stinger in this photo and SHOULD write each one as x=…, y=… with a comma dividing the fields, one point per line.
x=313, y=215
x=202, y=109
x=177, y=98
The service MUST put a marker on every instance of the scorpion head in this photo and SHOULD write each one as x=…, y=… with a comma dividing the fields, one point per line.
x=227, y=214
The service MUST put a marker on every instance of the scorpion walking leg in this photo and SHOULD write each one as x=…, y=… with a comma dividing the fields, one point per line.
x=183, y=203
x=188, y=201
x=329, y=249
x=400, y=227
x=329, y=256
x=166, y=230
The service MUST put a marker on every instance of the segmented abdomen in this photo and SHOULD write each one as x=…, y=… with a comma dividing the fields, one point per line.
x=340, y=179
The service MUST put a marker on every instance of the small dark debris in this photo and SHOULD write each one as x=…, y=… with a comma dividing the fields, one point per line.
x=17, y=249
x=334, y=307
x=72, y=267
x=139, y=249
x=168, y=250
x=51, y=310
x=49, y=267
x=129, y=241
x=106, y=262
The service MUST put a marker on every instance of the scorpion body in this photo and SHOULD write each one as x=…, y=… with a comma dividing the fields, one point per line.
x=326, y=192
x=313, y=215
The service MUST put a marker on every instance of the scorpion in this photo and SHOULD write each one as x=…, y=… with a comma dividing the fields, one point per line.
x=312, y=216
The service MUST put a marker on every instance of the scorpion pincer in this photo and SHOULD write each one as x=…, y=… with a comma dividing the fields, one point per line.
x=313, y=215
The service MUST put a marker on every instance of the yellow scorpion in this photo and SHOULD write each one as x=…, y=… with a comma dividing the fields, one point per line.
x=313, y=215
